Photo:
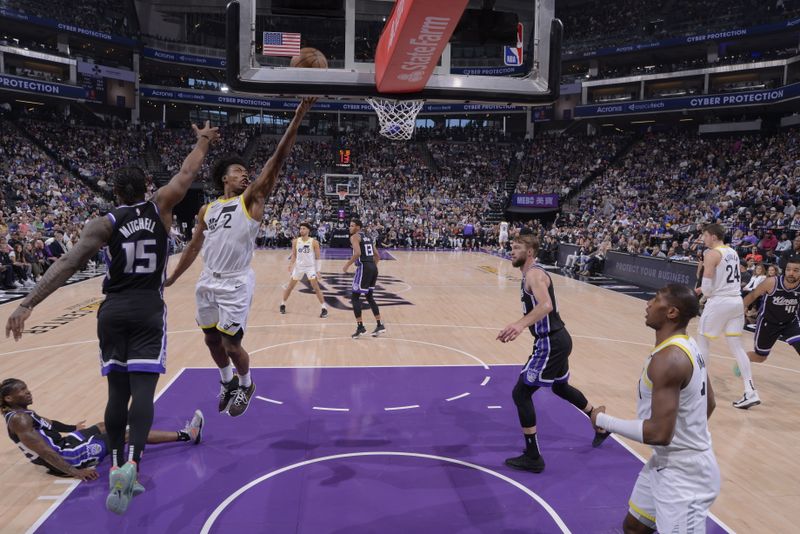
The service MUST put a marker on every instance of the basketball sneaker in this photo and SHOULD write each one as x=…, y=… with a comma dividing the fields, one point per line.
x=380, y=329
x=121, y=483
x=599, y=438
x=324, y=313
x=748, y=400
x=524, y=462
x=241, y=400
x=226, y=392
x=137, y=490
x=194, y=428
x=360, y=331
x=283, y=309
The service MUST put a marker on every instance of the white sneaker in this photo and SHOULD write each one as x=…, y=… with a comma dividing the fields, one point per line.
x=748, y=400
x=17, y=284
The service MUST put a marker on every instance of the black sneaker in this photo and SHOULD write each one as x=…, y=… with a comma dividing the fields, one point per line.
x=380, y=329
x=599, y=438
x=241, y=400
x=226, y=392
x=323, y=313
x=526, y=463
x=283, y=309
x=360, y=331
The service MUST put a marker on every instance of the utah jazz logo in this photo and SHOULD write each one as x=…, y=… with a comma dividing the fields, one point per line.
x=305, y=249
x=223, y=220
x=338, y=289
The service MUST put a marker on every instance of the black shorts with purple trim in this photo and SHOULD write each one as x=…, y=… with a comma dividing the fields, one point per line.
x=549, y=363
x=768, y=333
x=132, y=329
x=365, y=278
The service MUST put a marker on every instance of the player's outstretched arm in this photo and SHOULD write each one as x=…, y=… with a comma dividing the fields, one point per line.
x=95, y=234
x=257, y=192
x=293, y=258
x=191, y=251
x=169, y=195
x=761, y=289
x=22, y=426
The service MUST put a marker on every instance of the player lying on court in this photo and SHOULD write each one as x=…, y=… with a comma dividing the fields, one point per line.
x=81, y=448
x=548, y=364
x=305, y=261
x=677, y=486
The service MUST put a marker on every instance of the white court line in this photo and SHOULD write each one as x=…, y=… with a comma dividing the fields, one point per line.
x=393, y=408
x=232, y=497
x=48, y=497
x=273, y=401
x=494, y=407
x=458, y=397
x=56, y=504
x=486, y=380
x=324, y=409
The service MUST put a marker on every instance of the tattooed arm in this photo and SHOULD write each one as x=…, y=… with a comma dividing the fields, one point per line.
x=95, y=234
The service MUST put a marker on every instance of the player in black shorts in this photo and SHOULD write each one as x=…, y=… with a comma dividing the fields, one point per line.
x=777, y=317
x=548, y=365
x=131, y=321
x=75, y=454
x=365, y=256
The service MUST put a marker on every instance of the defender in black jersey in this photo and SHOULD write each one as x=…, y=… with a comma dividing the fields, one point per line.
x=69, y=450
x=365, y=256
x=131, y=321
x=777, y=317
x=548, y=365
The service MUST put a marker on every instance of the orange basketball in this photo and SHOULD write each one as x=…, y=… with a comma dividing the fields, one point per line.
x=309, y=58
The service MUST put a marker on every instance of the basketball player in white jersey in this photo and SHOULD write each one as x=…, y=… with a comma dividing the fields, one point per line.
x=502, y=239
x=677, y=486
x=226, y=232
x=723, y=312
x=305, y=262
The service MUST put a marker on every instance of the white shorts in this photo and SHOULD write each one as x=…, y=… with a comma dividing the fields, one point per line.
x=722, y=315
x=224, y=302
x=673, y=495
x=503, y=237
x=298, y=272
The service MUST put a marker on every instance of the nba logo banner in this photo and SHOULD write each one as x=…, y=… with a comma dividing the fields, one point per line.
x=512, y=55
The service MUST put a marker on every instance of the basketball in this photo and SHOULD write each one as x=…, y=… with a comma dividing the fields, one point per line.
x=309, y=58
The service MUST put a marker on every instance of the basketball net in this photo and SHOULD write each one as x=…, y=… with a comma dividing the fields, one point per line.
x=342, y=195
x=396, y=117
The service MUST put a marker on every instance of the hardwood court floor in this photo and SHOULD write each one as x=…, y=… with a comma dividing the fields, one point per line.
x=440, y=308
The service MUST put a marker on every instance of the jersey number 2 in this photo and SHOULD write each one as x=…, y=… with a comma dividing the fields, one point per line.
x=138, y=259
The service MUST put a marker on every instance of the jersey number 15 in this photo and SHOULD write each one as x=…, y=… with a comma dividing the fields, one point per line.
x=138, y=259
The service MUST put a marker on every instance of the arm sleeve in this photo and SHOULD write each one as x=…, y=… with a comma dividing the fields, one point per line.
x=630, y=428
x=58, y=426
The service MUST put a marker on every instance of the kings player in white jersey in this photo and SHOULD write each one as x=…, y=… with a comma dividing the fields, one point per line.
x=677, y=486
x=305, y=262
x=724, y=312
x=226, y=233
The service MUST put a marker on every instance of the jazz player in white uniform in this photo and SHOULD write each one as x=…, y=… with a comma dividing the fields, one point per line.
x=677, y=486
x=226, y=233
x=502, y=239
x=305, y=262
x=724, y=311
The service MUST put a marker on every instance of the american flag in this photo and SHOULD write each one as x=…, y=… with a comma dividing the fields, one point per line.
x=281, y=44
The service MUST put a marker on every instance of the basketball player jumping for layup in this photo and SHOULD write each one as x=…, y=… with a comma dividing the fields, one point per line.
x=226, y=232
x=548, y=366
x=677, y=486
x=305, y=262
x=131, y=321
x=365, y=256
